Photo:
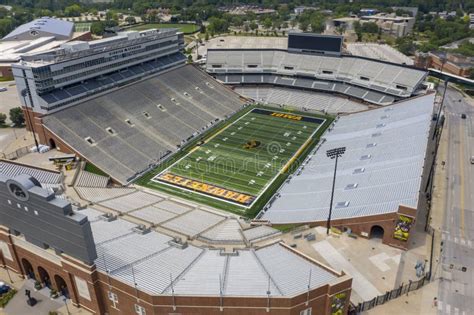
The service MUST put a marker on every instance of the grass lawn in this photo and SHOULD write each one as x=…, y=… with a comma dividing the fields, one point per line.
x=185, y=28
x=91, y=168
x=239, y=164
x=82, y=27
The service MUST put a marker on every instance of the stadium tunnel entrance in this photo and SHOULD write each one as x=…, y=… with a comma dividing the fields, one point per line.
x=376, y=232
x=61, y=286
x=44, y=277
x=52, y=143
x=28, y=269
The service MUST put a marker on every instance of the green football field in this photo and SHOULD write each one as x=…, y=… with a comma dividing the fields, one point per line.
x=240, y=162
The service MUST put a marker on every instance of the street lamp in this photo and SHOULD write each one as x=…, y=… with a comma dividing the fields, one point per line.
x=24, y=93
x=65, y=303
x=333, y=154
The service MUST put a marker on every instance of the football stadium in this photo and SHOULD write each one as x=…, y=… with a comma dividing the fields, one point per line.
x=244, y=158
x=188, y=176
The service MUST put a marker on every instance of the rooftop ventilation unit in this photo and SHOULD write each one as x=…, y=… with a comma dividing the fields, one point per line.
x=342, y=204
x=352, y=186
x=108, y=217
x=141, y=229
x=178, y=243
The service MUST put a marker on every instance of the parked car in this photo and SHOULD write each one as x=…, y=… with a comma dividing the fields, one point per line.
x=463, y=116
x=4, y=288
x=3, y=89
x=472, y=159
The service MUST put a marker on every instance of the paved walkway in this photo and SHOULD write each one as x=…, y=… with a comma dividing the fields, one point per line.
x=18, y=306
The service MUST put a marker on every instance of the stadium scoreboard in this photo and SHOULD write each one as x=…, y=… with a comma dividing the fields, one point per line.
x=315, y=43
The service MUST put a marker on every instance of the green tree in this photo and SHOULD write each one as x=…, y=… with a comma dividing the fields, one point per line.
x=97, y=28
x=267, y=23
x=17, y=117
x=304, y=26
x=253, y=26
x=218, y=25
x=72, y=10
x=130, y=20
x=3, y=118
x=405, y=45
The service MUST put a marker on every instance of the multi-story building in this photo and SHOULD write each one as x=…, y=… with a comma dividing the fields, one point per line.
x=453, y=63
x=397, y=26
x=54, y=79
x=42, y=34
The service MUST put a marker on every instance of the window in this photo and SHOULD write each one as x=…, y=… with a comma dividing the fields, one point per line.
x=252, y=66
x=401, y=87
x=327, y=72
x=306, y=311
x=140, y=310
x=217, y=66
x=113, y=298
x=364, y=78
x=90, y=140
x=288, y=68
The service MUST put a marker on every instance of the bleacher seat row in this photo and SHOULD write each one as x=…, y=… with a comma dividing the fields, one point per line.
x=130, y=129
x=308, y=84
x=381, y=169
x=396, y=80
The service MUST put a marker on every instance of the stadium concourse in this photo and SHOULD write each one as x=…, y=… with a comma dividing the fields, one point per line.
x=380, y=179
x=129, y=130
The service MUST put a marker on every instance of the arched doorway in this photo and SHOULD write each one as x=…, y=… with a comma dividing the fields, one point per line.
x=61, y=286
x=52, y=144
x=28, y=269
x=376, y=232
x=44, y=277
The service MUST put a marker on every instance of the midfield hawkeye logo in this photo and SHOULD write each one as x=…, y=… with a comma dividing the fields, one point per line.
x=252, y=144
x=287, y=116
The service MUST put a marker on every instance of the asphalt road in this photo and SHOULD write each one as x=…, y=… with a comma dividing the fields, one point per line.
x=456, y=288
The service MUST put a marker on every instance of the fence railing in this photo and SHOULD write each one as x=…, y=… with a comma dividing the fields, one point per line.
x=18, y=153
x=390, y=295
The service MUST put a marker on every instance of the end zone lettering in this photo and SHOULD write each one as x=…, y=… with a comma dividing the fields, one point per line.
x=287, y=116
x=207, y=188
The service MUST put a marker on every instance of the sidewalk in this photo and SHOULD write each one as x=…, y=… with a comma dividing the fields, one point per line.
x=416, y=302
x=18, y=306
